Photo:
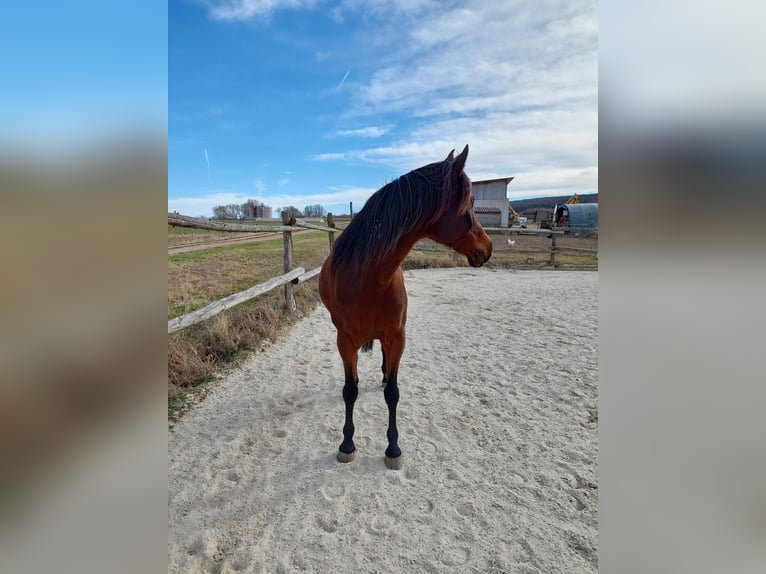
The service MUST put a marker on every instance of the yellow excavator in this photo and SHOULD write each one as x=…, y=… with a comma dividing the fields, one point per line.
x=574, y=199
x=514, y=217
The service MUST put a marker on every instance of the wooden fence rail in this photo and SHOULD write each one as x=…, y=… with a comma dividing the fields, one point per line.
x=553, y=234
x=290, y=277
x=217, y=307
x=186, y=221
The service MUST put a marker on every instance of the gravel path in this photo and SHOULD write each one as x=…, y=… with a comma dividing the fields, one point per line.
x=498, y=425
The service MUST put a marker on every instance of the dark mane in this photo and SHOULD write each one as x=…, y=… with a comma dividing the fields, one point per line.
x=412, y=201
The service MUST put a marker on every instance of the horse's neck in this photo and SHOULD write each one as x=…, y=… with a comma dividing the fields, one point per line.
x=392, y=265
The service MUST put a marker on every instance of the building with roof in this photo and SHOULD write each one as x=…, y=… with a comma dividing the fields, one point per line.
x=491, y=201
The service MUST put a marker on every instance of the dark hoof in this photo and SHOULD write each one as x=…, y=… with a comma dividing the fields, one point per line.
x=393, y=463
x=346, y=456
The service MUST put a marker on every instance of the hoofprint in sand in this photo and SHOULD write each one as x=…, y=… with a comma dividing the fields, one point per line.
x=498, y=426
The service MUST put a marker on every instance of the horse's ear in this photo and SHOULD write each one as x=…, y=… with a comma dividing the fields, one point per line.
x=451, y=156
x=460, y=160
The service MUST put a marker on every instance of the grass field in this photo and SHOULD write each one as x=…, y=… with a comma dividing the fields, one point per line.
x=201, y=277
x=198, y=278
x=178, y=236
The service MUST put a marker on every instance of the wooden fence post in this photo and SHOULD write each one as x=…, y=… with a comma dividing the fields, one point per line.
x=553, y=250
x=287, y=237
x=331, y=234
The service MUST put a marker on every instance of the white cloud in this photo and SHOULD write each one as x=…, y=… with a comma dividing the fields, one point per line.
x=368, y=132
x=533, y=56
x=551, y=181
x=329, y=156
x=517, y=81
x=284, y=181
x=387, y=7
x=234, y=10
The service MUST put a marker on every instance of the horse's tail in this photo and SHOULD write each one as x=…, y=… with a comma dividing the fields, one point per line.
x=367, y=347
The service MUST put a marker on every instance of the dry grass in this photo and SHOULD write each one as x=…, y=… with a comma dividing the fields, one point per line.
x=201, y=277
x=185, y=236
x=195, y=279
x=195, y=354
x=433, y=260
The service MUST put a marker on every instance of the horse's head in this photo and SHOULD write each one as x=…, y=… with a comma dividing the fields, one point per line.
x=457, y=227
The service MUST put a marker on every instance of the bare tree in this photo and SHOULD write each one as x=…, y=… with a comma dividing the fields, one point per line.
x=235, y=209
x=291, y=210
x=315, y=210
x=230, y=211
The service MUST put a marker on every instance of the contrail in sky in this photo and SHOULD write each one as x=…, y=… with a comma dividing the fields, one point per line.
x=344, y=79
x=208, y=164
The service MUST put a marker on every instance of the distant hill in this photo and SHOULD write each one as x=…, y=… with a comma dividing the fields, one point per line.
x=548, y=202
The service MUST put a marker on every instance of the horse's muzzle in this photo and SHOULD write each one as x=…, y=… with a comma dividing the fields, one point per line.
x=480, y=258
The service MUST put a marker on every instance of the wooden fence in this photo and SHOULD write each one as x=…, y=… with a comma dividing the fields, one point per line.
x=299, y=274
x=556, y=236
x=290, y=277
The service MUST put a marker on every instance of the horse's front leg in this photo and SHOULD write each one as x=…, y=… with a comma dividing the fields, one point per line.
x=347, y=450
x=393, y=353
x=383, y=367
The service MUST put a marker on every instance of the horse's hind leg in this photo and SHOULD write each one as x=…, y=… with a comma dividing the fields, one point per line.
x=393, y=353
x=347, y=450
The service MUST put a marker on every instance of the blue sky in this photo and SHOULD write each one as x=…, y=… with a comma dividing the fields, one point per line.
x=297, y=102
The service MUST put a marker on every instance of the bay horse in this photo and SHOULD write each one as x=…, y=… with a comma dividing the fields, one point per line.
x=362, y=283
